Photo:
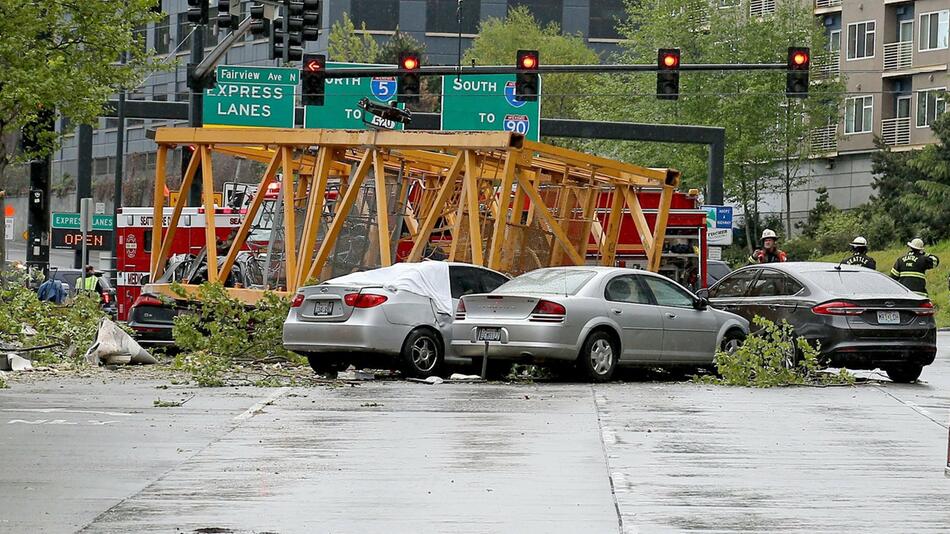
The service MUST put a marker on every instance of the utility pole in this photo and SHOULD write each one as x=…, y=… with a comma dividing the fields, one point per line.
x=119, y=171
x=84, y=174
x=196, y=102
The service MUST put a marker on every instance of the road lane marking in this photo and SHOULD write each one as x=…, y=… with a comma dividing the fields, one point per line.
x=63, y=410
x=258, y=407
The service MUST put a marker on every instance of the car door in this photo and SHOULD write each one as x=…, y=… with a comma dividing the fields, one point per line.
x=730, y=293
x=630, y=305
x=689, y=334
x=770, y=296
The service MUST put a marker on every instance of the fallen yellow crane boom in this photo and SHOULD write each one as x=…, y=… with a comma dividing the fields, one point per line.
x=498, y=200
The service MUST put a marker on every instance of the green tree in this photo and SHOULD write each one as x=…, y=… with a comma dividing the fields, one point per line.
x=60, y=54
x=499, y=40
x=914, y=187
x=764, y=129
x=345, y=45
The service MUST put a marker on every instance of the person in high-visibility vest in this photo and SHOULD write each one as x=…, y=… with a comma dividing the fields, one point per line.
x=89, y=281
x=910, y=268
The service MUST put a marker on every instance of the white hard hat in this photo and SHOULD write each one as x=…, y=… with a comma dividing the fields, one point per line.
x=768, y=234
x=859, y=242
x=916, y=244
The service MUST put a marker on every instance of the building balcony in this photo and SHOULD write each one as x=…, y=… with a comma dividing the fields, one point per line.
x=822, y=4
x=828, y=64
x=896, y=132
x=824, y=140
x=761, y=8
x=899, y=55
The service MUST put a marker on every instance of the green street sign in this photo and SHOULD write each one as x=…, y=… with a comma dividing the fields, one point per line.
x=252, y=96
x=70, y=221
x=487, y=103
x=340, y=109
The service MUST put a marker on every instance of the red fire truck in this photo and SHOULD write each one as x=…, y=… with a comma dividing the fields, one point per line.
x=134, y=233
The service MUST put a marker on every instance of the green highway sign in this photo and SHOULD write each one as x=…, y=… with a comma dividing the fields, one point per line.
x=70, y=221
x=252, y=96
x=340, y=109
x=487, y=102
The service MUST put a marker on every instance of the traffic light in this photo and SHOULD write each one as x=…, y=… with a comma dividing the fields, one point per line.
x=668, y=74
x=526, y=81
x=280, y=38
x=407, y=85
x=198, y=11
x=260, y=22
x=228, y=14
x=313, y=79
x=796, y=80
x=311, y=20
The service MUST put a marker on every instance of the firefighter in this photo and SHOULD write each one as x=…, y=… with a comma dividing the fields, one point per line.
x=859, y=254
x=909, y=269
x=769, y=253
x=89, y=281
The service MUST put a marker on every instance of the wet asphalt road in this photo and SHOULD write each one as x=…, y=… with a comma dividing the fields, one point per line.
x=98, y=457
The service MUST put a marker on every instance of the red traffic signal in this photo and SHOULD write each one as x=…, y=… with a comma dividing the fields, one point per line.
x=313, y=64
x=313, y=79
x=668, y=76
x=410, y=62
x=528, y=61
x=796, y=79
x=527, y=84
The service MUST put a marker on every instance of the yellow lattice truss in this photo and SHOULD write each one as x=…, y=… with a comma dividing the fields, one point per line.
x=491, y=198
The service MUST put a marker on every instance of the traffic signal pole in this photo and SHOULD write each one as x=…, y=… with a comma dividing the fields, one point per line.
x=196, y=101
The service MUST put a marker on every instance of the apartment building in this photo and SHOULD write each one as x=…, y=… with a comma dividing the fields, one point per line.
x=894, y=55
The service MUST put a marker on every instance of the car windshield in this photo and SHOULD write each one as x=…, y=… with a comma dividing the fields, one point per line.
x=548, y=282
x=849, y=283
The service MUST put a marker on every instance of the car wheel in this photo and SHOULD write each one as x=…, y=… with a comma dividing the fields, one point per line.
x=904, y=373
x=598, y=357
x=324, y=363
x=732, y=341
x=422, y=354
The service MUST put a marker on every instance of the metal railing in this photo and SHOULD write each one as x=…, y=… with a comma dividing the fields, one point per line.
x=896, y=132
x=824, y=140
x=828, y=64
x=758, y=8
x=827, y=3
x=899, y=55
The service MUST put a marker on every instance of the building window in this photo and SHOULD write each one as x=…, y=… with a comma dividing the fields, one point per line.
x=182, y=93
x=545, y=11
x=184, y=33
x=141, y=40
x=605, y=15
x=861, y=40
x=834, y=41
x=930, y=104
x=728, y=3
x=162, y=36
x=934, y=30
x=442, y=16
x=858, y=114
x=379, y=15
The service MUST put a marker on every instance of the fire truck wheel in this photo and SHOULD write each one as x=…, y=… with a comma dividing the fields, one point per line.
x=324, y=363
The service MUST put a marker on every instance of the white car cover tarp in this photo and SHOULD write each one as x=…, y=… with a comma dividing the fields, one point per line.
x=428, y=279
x=114, y=346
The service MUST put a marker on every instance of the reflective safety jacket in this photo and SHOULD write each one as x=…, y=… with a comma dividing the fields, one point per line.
x=861, y=259
x=909, y=270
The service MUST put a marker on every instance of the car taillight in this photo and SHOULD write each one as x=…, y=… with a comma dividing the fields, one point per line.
x=105, y=298
x=547, y=311
x=146, y=300
x=460, y=311
x=926, y=308
x=363, y=300
x=838, y=307
x=298, y=300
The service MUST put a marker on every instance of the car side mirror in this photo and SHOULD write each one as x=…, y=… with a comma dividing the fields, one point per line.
x=701, y=303
x=703, y=293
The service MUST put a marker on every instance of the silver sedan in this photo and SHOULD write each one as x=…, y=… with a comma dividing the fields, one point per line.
x=598, y=317
x=403, y=311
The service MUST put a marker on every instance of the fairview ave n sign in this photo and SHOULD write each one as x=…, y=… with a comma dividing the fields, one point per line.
x=252, y=96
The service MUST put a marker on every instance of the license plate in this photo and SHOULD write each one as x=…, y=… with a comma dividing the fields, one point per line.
x=888, y=317
x=323, y=307
x=489, y=334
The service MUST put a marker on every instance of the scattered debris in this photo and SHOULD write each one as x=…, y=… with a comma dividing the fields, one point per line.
x=17, y=363
x=115, y=346
x=464, y=378
x=353, y=374
x=432, y=380
x=159, y=403
x=370, y=405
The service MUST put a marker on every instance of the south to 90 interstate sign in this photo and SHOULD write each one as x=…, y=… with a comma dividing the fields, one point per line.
x=341, y=95
x=487, y=103
x=252, y=96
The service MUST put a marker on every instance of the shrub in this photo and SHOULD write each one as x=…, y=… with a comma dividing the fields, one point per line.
x=774, y=356
x=219, y=331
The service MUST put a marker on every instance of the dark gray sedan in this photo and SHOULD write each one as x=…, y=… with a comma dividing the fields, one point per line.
x=861, y=318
